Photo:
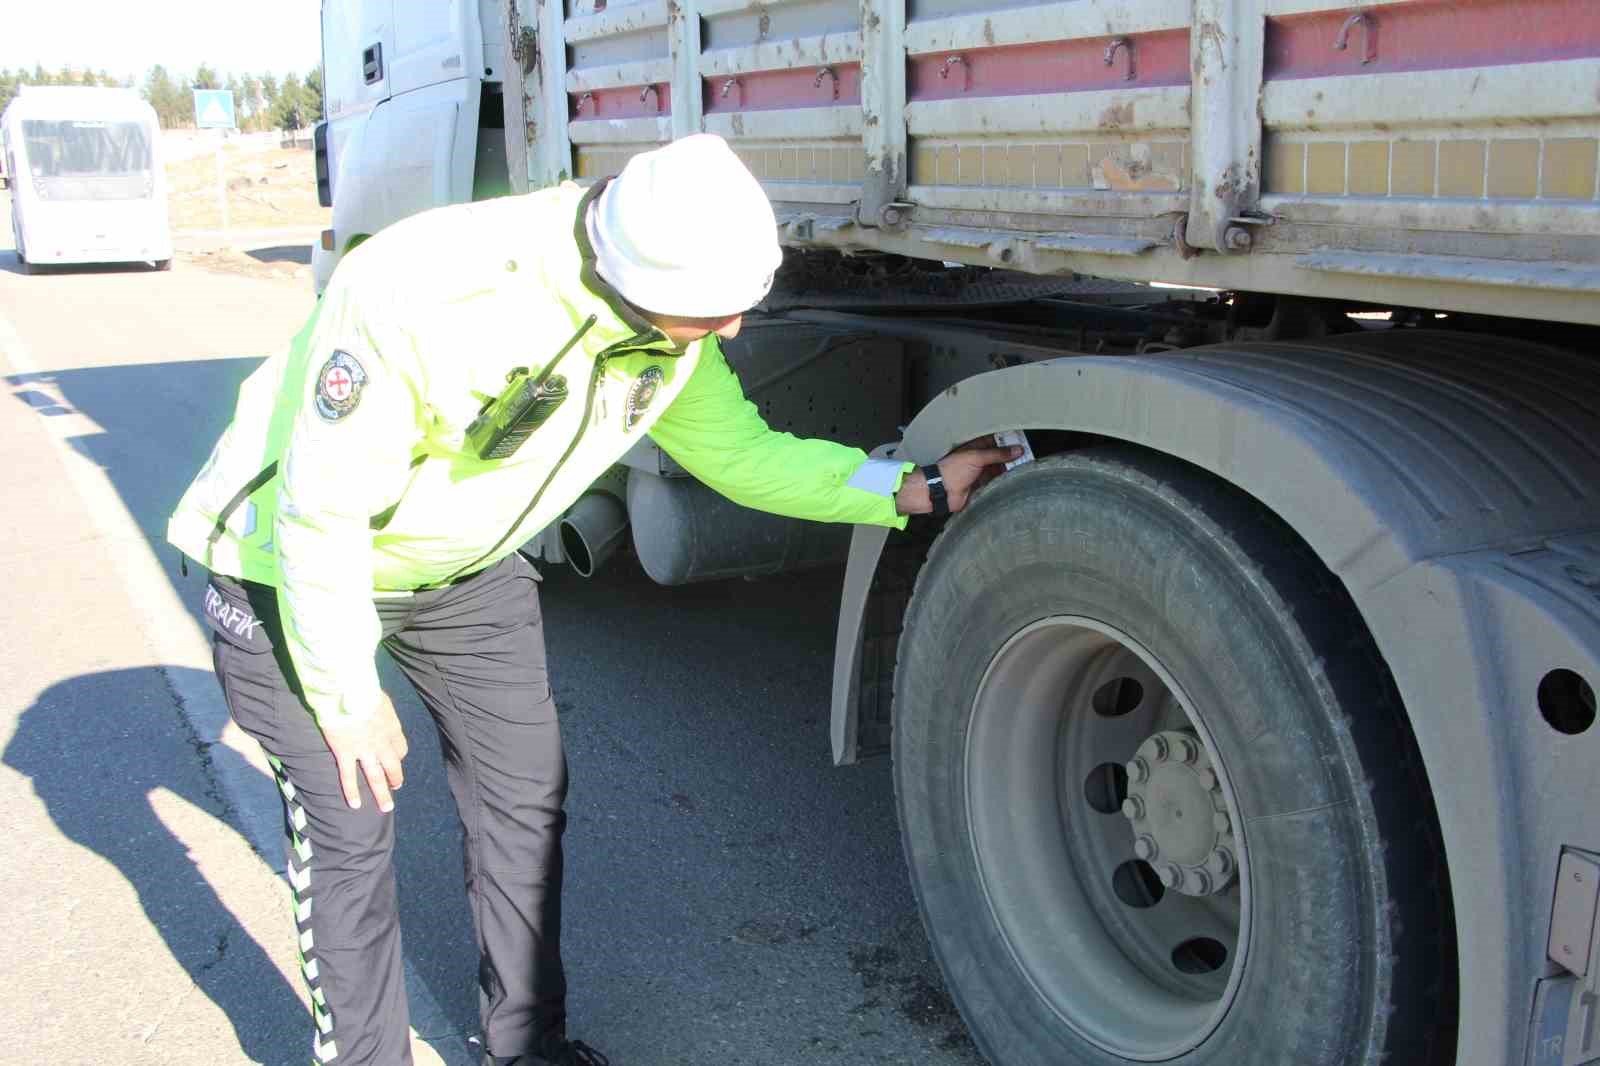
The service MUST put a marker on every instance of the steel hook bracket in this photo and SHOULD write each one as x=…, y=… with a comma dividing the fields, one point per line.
x=966, y=68
x=1116, y=45
x=1369, y=35
x=828, y=72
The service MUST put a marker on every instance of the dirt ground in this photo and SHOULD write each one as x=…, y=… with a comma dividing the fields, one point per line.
x=284, y=263
x=266, y=190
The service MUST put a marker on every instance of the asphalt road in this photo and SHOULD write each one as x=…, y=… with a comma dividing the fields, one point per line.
x=731, y=897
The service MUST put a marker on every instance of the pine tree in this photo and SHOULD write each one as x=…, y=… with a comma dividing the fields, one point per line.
x=290, y=113
x=269, y=102
x=269, y=88
x=250, y=102
x=315, y=105
x=206, y=78
x=172, y=103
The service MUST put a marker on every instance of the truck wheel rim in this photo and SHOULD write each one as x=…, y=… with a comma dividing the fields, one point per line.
x=1109, y=917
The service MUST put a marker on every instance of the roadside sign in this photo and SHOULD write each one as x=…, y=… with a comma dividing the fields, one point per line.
x=213, y=109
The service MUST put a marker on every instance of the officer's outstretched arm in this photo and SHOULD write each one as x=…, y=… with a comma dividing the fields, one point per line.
x=355, y=421
x=719, y=436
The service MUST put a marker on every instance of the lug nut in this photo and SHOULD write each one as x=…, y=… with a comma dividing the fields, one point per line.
x=1220, y=863
x=1133, y=808
x=1197, y=882
x=1170, y=874
x=1162, y=749
x=1208, y=778
x=1138, y=770
x=1221, y=822
x=1187, y=750
x=1145, y=847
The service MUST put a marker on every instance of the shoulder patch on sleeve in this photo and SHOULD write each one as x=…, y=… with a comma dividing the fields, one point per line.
x=339, y=386
x=640, y=394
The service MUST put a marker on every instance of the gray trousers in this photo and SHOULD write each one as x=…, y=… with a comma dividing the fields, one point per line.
x=475, y=653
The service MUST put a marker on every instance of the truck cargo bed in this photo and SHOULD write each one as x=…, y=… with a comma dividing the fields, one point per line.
x=1423, y=153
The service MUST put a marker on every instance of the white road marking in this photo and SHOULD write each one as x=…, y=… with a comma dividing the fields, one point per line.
x=174, y=641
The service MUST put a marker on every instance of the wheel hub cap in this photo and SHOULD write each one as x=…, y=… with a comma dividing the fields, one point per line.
x=1180, y=821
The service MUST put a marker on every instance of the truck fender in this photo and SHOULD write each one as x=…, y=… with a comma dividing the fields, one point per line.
x=1456, y=499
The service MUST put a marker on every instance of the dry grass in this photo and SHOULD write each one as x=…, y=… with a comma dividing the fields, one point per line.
x=266, y=190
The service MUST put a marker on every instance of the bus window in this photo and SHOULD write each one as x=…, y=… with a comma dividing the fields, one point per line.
x=83, y=160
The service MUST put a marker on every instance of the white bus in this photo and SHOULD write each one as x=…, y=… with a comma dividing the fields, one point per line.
x=84, y=169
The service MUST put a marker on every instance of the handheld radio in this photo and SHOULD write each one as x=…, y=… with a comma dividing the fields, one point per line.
x=506, y=421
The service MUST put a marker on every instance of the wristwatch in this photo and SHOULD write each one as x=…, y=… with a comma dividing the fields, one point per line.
x=936, y=493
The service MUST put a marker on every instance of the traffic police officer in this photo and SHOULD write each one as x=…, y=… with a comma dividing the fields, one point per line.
x=373, y=487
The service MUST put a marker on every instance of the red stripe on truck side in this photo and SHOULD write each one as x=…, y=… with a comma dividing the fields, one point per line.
x=633, y=101
x=1440, y=35
x=778, y=90
x=1078, y=65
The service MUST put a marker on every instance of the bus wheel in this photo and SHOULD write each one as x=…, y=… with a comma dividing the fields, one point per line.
x=1159, y=797
x=22, y=253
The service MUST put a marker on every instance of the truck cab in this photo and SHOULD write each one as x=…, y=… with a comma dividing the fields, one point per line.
x=413, y=118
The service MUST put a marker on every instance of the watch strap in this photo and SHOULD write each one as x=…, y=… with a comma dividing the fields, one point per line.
x=936, y=491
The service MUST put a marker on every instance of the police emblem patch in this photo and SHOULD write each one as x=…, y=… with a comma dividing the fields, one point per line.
x=640, y=394
x=339, y=386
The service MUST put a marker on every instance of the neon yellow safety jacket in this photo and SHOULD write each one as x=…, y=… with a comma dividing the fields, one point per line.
x=345, y=472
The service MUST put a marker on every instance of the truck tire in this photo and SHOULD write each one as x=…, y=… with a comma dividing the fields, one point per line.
x=1158, y=794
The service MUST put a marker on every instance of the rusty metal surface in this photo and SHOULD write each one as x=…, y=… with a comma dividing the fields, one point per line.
x=839, y=283
x=1459, y=270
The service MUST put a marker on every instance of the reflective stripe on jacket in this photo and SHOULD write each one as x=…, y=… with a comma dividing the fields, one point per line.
x=341, y=478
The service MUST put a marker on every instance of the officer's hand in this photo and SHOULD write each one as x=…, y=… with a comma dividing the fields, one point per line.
x=964, y=470
x=373, y=746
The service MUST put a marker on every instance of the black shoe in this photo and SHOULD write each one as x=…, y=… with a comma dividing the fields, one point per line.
x=557, y=1051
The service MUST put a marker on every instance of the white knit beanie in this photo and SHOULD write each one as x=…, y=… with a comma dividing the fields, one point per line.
x=686, y=230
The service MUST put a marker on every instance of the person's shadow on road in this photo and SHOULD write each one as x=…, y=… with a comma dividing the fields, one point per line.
x=96, y=748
